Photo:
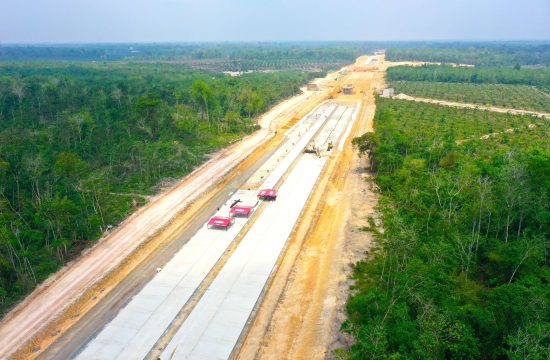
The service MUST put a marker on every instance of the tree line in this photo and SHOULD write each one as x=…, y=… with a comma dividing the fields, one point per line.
x=495, y=75
x=257, y=51
x=474, y=53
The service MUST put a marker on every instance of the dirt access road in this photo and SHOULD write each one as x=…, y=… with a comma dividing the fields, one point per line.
x=420, y=63
x=472, y=106
x=303, y=308
x=66, y=296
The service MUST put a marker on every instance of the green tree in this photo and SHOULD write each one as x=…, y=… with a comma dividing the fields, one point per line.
x=202, y=95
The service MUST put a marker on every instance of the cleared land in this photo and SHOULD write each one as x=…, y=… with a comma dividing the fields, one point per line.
x=216, y=323
x=136, y=328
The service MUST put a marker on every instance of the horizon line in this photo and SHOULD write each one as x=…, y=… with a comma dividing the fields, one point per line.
x=190, y=42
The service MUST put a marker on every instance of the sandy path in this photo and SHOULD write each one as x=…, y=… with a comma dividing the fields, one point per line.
x=472, y=106
x=62, y=289
x=420, y=63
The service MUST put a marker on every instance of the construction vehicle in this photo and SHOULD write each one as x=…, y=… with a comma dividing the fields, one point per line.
x=312, y=149
x=223, y=222
x=335, y=91
x=268, y=194
x=329, y=146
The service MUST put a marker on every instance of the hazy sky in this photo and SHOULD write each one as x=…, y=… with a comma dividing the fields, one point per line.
x=37, y=21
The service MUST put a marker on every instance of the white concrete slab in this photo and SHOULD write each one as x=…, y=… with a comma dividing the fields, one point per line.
x=326, y=133
x=283, y=167
x=349, y=126
x=292, y=137
x=216, y=322
x=139, y=325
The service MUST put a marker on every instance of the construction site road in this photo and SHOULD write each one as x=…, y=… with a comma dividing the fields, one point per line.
x=26, y=331
x=302, y=311
x=140, y=324
x=71, y=342
x=214, y=326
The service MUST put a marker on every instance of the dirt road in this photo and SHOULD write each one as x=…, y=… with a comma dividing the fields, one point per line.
x=303, y=309
x=472, y=106
x=23, y=330
x=420, y=63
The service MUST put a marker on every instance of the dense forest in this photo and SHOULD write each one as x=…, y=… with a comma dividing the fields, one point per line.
x=237, y=56
x=474, y=53
x=474, y=75
x=460, y=268
x=208, y=56
x=82, y=144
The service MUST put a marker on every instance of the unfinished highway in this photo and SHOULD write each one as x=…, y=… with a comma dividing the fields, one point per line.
x=72, y=293
x=179, y=288
x=214, y=326
x=133, y=333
